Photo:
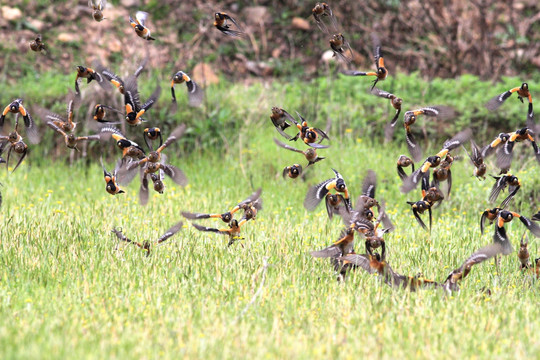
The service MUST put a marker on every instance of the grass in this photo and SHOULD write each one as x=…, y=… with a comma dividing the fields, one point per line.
x=68, y=289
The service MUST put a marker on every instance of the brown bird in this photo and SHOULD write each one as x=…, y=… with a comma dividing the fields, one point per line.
x=310, y=154
x=341, y=247
x=97, y=6
x=477, y=159
x=37, y=45
x=220, y=23
x=146, y=245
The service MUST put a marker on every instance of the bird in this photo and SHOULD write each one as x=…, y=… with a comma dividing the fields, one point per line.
x=16, y=145
x=477, y=159
x=71, y=140
x=522, y=92
x=309, y=135
x=37, y=44
x=439, y=111
x=500, y=140
x=292, y=171
x=505, y=155
x=402, y=162
x=451, y=283
x=220, y=23
x=233, y=231
x=110, y=179
x=116, y=80
x=252, y=200
x=65, y=123
x=310, y=154
x=501, y=182
x=281, y=120
x=134, y=109
x=433, y=161
x=318, y=192
x=138, y=24
x=380, y=74
x=86, y=73
x=321, y=10
x=16, y=107
x=195, y=93
x=341, y=247
x=395, y=101
x=97, y=6
x=339, y=46
x=147, y=245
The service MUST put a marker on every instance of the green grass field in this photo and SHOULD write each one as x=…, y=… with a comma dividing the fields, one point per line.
x=68, y=289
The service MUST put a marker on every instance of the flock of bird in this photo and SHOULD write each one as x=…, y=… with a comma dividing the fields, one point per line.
x=362, y=219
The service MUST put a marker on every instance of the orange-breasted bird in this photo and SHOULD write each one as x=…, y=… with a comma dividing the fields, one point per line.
x=254, y=200
x=16, y=107
x=430, y=196
x=500, y=236
x=146, y=245
x=233, y=231
x=341, y=247
x=488, y=215
x=500, y=140
x=129, y=148
x=86, y=73
x=382, y=71
x=37, y=45
x=433, y=161
x=138, y=25
x=152, y=134
x=318, y=192
x=292, y=171
x=110, y=179
x=116, y=80
x=134, y=110
x=441, y=112
x=195, y=93
x=309, y=135
x=97, y=6
x=220, y=23
x=310, y=154
x=443, y=173
x=505, y=155
x=100, y=113
x=153, y=161
x=522, y=91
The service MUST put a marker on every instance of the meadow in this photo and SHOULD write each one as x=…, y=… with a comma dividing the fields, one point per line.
x=69, y=289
